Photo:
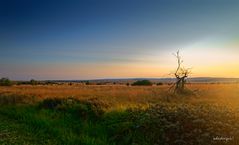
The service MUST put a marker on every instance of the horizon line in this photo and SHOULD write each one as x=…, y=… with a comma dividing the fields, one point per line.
x=126, y=78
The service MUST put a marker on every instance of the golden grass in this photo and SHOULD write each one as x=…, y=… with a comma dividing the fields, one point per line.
x=120, y=95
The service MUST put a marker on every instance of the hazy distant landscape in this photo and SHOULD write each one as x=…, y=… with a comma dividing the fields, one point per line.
x=124, y=81
x=156, y=80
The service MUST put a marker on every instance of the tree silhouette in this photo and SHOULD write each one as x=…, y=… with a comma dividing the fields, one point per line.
x=181, y=75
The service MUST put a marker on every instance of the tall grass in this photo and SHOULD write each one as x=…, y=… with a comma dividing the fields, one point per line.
x=118, y=95
x=119, y=118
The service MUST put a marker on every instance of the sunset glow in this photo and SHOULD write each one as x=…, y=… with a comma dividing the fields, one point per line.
x=92, y=40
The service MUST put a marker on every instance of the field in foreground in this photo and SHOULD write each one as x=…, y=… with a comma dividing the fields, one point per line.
x=95, y=115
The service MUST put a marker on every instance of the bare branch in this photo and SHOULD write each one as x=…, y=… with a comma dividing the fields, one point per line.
x=180, y=74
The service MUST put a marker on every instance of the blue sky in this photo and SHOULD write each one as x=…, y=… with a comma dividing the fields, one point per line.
x=116, y=38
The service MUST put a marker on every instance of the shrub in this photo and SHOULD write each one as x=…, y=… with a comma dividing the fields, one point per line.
x=33, y=82
x=159, y=84
x=5, y=82
x=174, y=124
x=91, y=108
x=87, y=82
x=142, y=83
x=51, y=103
x=50, y=83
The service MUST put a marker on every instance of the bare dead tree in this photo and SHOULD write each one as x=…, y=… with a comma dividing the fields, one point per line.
x=181, y=75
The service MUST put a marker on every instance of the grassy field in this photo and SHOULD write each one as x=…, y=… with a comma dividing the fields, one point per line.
x=119, y=115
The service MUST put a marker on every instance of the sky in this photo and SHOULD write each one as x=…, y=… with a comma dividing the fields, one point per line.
x=94, y=39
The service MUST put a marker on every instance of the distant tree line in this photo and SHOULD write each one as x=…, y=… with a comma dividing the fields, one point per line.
x=142, y=83
x=35, y=82
x=5, y=82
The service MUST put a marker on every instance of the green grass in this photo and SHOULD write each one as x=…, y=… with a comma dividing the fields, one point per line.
x=44, y=126
x=73, y=122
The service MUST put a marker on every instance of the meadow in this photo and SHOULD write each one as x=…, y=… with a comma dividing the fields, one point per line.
x=119, y=115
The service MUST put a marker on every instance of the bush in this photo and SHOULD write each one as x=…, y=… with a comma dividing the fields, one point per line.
x=87, y=82
x=159, y=84
x=33, y=82
x=142, y=83
x=91, y=108
x=174, y=124
x=51, y=103
x=5, y=82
